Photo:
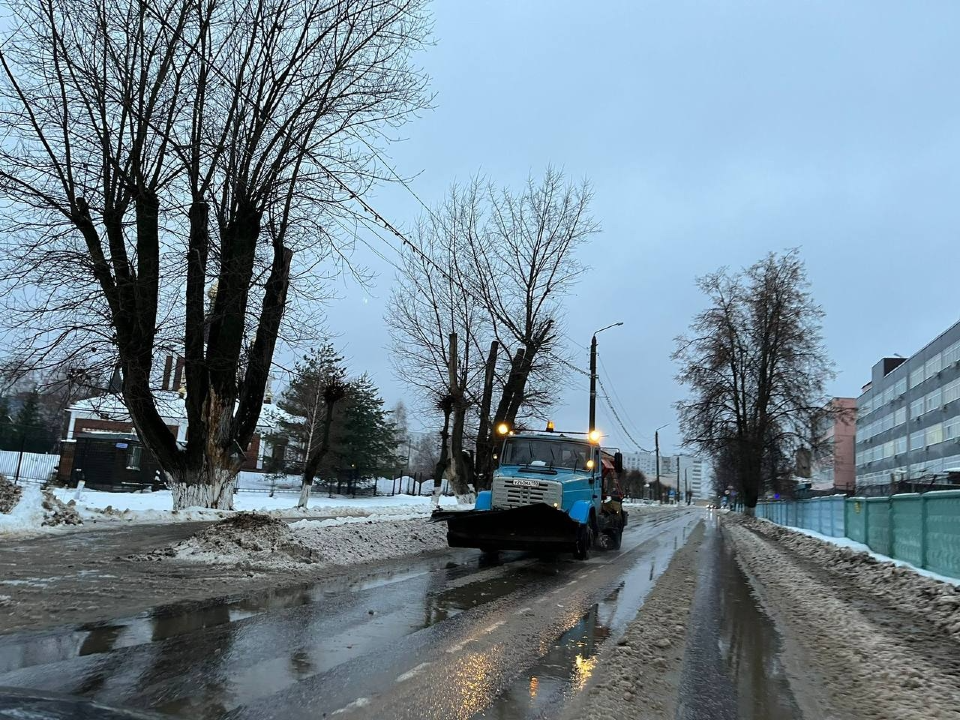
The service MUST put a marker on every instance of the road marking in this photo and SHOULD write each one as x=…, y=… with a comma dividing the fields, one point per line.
x=572, y=582
x=358, y=703
x=521, y=611
x=459, y=646
x=413, y=672
x=493, y=627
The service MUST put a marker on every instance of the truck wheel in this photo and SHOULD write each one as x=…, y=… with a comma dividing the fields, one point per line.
x=584, y=542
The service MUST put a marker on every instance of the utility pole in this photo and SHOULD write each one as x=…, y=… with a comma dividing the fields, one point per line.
x=593, y=385
x=593, y=376
x=678, y=480
x=656, y=445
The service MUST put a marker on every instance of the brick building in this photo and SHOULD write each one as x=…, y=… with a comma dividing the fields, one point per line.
x=102, y=447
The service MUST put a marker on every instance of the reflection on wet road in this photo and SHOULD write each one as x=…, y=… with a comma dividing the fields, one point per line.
x=732, y=668
x=507, y=641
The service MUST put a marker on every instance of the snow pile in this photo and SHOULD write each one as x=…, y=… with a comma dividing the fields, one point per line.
x=902, y=587
x=370, y=540
x=252, y=541
x=248, y=540
x=25, y=515
x=9, y=495
x=56, y=512
x=37, y=508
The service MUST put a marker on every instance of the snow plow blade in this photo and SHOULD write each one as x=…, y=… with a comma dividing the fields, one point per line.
x=536, y=527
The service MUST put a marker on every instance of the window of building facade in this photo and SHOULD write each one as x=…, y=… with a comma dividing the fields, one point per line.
x=952, y=354
x=916, y=377
x=901, y=387
x=917, y=440
x=900, y=417
x=888, y=395
x=933, y=400
x=900, y=445
x=916, y=408
x=951, y=391
x=951, y=429
x=932, y=366
x=935, y=434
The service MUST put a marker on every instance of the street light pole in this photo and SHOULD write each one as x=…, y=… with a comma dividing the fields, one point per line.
x=656, y=445
x=593, y=376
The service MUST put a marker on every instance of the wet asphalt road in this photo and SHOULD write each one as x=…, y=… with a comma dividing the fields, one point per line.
x=438, y=637
x=424, y=640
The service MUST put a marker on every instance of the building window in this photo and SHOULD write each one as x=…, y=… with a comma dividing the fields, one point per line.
x=951, y=429
x=932, y=366
x=916, y=408
x=900, y=417
x=901, y=387
x=935, y=434
x=888, y=450
x=888, y=395
x=951, y=354
x=133, y=457
x=916, y=377
x=900, y=445
x=951, y=392
x=932, y=401
x=916, y=440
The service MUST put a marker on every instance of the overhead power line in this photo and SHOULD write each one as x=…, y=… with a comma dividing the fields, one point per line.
x=616, y=416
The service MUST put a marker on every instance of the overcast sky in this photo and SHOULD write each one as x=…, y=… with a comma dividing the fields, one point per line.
x=712, y=132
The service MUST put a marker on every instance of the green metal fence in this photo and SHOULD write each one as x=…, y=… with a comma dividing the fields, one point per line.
x=922, y=529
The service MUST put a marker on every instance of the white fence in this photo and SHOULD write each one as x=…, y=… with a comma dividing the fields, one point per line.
x=33, y=467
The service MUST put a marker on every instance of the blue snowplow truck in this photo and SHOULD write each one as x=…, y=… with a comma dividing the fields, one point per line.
x=551, y=493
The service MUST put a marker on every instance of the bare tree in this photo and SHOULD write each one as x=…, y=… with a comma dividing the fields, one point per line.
x=438, y=329
x=756, y=369
x=159, y=152
x=491, y=264
x=522, y=267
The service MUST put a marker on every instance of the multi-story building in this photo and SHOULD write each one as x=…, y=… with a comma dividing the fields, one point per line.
x=908, y=417
x=693, y=472
x=835, y=466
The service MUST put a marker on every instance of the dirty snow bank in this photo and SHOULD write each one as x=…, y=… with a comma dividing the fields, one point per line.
x=883, y=638
x=35, y=508
x=252, y=541
x=638, y=678
x=899, y=585
x=9, y=495
x=860, y=547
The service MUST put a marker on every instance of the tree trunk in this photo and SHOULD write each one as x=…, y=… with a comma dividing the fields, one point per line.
x=444, y=461
x=460, y=474
x=313, y=462
x=210, y=489
x=483, y=459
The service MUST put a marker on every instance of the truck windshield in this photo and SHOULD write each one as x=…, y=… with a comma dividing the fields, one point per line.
x=555, y=454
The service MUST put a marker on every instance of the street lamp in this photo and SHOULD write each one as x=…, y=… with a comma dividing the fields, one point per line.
x=593, y=375
x=656, y=445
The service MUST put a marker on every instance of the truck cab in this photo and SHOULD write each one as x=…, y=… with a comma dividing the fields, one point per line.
x=547, y=494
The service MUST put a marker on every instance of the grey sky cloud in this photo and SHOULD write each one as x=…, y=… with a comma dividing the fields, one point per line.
x=712, y=132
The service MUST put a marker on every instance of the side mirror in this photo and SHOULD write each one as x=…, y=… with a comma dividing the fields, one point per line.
x=618, y=462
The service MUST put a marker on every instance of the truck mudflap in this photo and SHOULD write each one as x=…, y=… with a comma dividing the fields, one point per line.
x=537, y=527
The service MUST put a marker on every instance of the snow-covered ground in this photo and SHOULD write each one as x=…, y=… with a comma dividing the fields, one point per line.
x=99, y=508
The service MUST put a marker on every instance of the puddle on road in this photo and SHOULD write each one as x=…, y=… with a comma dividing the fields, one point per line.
x=732, y=663
x=564, y=670
x=544, y=688
x=750, y=647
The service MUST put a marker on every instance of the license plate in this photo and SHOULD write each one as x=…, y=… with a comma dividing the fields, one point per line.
x=526, y=483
